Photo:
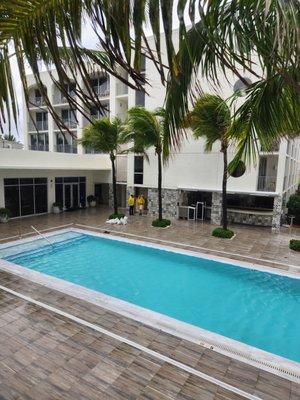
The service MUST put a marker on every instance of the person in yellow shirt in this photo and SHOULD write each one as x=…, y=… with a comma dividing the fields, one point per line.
x=141, y=204
x=131, y=204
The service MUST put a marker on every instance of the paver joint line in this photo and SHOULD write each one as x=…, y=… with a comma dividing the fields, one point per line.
x=134, y=345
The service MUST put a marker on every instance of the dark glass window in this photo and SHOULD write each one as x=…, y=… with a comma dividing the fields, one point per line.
x=11, y=181
x=41, y=199
x=26, y=181
x=26, y=196
x=59, y=198
x=71, y=179
x=27, y=200
x=247, y=202
x=58, y=180
x=82, y=193
x=82, y=179
x=40, y=180
x=138, y=169
x=12, y=202
x=139, y=98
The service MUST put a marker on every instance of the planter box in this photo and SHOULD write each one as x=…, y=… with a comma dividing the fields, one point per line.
x=56, y=210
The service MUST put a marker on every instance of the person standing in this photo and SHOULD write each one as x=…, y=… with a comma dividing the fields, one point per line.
x=141, y=204
x=131, y=204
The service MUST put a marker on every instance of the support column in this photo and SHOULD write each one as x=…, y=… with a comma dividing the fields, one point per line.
x=277, y=211
x=216, y=208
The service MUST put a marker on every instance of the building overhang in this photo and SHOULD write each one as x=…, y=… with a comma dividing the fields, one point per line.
x=15, y=159
x=249, y=192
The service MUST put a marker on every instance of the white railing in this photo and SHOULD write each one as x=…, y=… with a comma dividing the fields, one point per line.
x=266, y=183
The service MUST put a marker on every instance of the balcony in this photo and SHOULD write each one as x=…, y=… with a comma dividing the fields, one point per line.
x=36, y=102
x=102, y=90
x=66, y=148
x=59, y=98
x=266, y=183
x=121, y=89
x=39, y=126
x=70, y=124
x=39, y=147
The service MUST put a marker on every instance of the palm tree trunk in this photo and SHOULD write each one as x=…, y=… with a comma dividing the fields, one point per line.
x=114, y=182
x=224, y=188
x=158, y=151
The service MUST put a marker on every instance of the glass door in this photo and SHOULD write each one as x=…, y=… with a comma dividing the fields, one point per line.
x=75, y=195
x=68, y=196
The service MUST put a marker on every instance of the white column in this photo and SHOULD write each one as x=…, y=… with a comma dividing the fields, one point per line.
x=51, y=135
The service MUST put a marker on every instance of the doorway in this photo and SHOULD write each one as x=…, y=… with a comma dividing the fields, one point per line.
x=71, y=195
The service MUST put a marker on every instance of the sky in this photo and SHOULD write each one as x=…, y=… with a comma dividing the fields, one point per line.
x=89, y=40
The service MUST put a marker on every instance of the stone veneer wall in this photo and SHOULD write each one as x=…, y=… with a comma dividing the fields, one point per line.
x=249, y=218
x=277, y=211
x=216, y=208
x=170, y=198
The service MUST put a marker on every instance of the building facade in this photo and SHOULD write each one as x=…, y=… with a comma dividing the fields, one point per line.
x=192, y=179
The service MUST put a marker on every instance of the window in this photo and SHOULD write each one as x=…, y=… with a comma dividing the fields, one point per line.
x=101, y=85
x=70, y=192
x=39, y=141
x=26, y=196
x=139, y=98
x=239, y=87
x=68, y=117
x=42, y=121
x=65, y=143
x=138, y=170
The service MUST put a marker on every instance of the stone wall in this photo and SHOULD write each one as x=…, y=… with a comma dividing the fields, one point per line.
x=249, y=218
x=277, y=211
x=216, y=208
x=170, y=198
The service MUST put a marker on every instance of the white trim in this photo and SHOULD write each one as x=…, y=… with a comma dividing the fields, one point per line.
x=259, y=358
x=135, y=345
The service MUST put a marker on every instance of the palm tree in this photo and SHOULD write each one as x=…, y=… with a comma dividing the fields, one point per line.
x=211, y=119
x=148, y=129
x=105, y=136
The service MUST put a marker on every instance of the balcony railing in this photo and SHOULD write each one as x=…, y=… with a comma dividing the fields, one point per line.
x=66, y=148
x=101, y=91
x=36, y=102
x=92, y=151
x=70, y=124
x=39, y=125
x=121, y=88
x=266, y=183
x=39, y=147
x=59, y=98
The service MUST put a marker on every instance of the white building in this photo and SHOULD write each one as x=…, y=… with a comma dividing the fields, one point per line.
x=53, y=167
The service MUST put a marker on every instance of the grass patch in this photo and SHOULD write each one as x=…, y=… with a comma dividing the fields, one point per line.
x=114, y=216
x=223, y=233
x=295, y=244
x=161, y=223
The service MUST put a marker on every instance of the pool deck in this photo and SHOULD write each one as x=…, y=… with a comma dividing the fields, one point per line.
x=48, y=355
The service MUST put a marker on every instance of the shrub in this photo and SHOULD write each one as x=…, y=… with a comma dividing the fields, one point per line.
x=295, y=244
x=223, y=233
x=4, y=212
x=114, y=216
x=161, y=223
x=293, y=206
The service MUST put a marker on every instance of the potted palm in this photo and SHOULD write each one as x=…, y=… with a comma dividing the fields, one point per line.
x=56, y=208
x=91, y=200
x=4, y=214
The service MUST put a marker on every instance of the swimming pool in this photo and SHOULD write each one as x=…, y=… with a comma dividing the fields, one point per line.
x=253, y=307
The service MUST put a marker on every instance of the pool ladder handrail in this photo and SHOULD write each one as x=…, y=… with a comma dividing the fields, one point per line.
x=44, y=237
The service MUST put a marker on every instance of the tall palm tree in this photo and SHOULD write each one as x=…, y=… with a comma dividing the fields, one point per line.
x=148, y=129
x=210, y=119
x=105, y=136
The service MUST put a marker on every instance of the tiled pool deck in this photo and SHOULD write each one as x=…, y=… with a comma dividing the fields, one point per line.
x=44, y=355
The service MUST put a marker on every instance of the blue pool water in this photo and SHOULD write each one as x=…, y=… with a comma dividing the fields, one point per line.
x=256, y=308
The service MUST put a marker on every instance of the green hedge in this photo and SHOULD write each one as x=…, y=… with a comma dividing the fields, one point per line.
x=223, y=233
x=295, y=244
x=293, y=206
x=161, y=223
x=114, y=216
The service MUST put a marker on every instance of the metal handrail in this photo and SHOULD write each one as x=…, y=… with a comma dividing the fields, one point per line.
x=44, y=237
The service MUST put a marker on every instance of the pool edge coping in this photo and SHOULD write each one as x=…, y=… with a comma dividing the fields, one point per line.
x=232, y=348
